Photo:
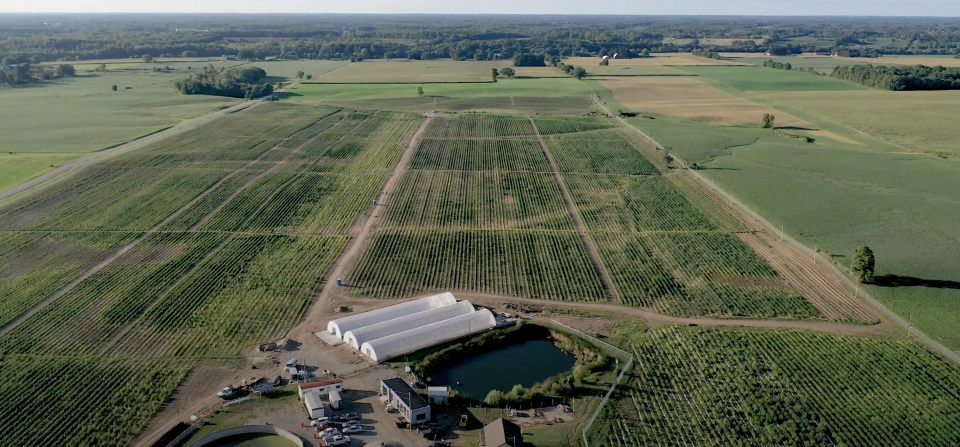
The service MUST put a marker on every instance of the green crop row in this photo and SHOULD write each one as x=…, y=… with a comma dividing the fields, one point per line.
x=478, y=200
x=750, y=388
x=480, y=155
x=479, y=125
x=548, y=265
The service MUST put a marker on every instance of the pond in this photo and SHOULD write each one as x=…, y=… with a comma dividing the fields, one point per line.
x=525, y=363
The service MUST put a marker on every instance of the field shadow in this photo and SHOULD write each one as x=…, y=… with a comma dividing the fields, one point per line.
x=794, y=128
x=909, y=281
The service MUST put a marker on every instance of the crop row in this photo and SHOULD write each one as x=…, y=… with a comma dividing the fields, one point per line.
x=480, y=155
x=478, y=200
x=545, y=105
x=713, y=387
x=617, y=203
x=479, y=125
x=697, y=274
x=547, y=265
x=90, y=315
x=554, y=126
x=90, y=402
x=607, y=152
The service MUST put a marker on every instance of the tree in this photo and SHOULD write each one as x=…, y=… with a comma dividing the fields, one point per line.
x=579, y=72
x=279, y=85
x=188, y=54
x=300, y=75
x=64, y=70
x=767, y=122
x=419, y=91
x=508, y=72
x=695, y=167
x=863, y=264
x=113, y=87
x=604, y=62
x=495, y=74
x=309, y=77
x=667, y=158
x=645, y=53
x=147, y=59
x=493, y=398
x=102, y=67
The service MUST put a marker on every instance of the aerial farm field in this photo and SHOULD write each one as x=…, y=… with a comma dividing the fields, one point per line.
x=663, y=59
x=401, y=71
x=125, y=276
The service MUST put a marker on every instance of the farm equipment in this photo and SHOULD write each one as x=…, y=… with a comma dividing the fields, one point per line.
x=268, y=346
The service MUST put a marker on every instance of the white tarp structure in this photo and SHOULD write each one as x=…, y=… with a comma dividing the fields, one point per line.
x=358, y=337
x=342, y=325
x=396, y=345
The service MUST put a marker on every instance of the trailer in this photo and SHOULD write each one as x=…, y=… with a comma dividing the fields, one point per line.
x=335, y=401
x=314, y=405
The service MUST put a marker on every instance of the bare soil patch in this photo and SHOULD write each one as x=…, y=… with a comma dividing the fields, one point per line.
x=679, y=59
x=692, y=99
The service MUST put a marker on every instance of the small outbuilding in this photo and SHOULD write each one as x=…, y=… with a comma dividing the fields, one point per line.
x=315, y=408
x=320, y=387
x=437, y=395
x=402, y=397
x=502, y=433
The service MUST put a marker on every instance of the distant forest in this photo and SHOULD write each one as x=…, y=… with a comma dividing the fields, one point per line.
x=35, y=38
x=918, y=77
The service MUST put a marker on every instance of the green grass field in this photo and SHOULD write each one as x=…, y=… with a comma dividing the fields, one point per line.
x=760, y=79
x=823, y=64
x=551, y=87
x=634, y=70
x=915, y=120
x=836, y=197
x=17, y=168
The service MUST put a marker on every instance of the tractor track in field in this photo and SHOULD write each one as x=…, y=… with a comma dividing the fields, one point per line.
x=359, y=233
x=156, y=136
x=216, y=249
x=123, y=249
x=575, y=215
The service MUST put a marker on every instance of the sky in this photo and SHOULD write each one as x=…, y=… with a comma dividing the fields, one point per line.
x=949, y=8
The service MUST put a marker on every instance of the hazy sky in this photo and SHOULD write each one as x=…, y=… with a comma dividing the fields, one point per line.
x=644, y=7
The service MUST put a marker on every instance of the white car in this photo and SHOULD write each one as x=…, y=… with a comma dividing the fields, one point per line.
x=331, y=431
x=350, y=423
x=319, y=421
x=353, y=429
x=337, y=440
x=226, y=391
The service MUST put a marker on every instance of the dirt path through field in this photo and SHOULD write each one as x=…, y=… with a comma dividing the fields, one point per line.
x=124, y=249
x=186, y=125
x=192, y=397
x=650, y=315
x=575, y=215
x=359, y=233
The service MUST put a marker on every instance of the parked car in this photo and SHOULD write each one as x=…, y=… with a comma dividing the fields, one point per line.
x=353, y=429
x=349, y=416
x=336, y=440
x=225, y=392
x=330, y=431
x=349, y=423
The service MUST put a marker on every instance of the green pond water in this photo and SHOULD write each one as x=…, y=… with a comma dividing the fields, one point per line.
x=524, y=363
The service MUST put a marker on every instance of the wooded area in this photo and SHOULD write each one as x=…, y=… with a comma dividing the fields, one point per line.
x=918, y=77
x=48, y=37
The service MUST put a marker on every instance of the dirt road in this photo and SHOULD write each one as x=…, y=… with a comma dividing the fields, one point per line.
x=359, y=234
x=577, y=222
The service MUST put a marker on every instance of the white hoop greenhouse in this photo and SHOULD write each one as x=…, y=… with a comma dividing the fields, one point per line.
x=342, y=325
x=396, y=345
x=358, y=337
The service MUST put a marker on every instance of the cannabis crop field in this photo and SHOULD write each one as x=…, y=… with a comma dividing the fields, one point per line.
x=195, y=247
x=752, y=388
x=482, y=209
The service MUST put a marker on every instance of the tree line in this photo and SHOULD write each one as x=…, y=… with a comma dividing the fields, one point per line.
x=105, y=36
x=237, y=82
x=918, y=77
x=28, y=74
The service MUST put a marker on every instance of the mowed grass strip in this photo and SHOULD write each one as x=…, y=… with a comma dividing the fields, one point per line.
x=752, y=78
x=400, y=71
x=545, y=265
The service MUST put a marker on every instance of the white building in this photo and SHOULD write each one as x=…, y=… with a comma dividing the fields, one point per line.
x=437, y=395
x=314, y=405
x=410, y=404
x=342, y=325
x=359, y=336
x=395, y=345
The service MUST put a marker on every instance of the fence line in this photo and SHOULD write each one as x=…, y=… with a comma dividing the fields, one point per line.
x=613, y=386
x=924, y=339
